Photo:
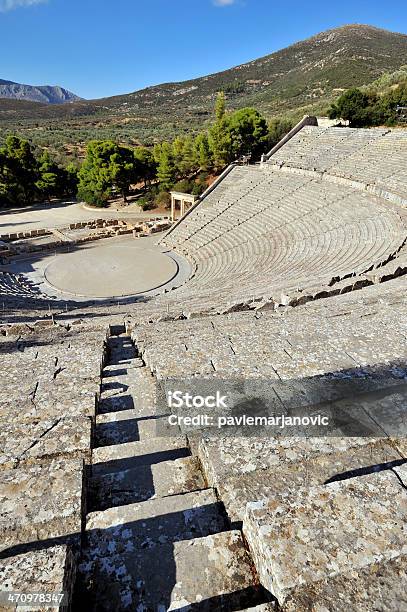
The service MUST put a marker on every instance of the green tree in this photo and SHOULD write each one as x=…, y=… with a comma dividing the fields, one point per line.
x=108, y=168
x=248, y=132
x=278, y=128
x=184, y=186
x=177, y=153
x=187, y=164
x=220, y=106
x=388, y=103
x=244, y=131
x=71, y=179
x=50, y=181
x=353, y=106
x=157, y=152
x=202, y=152
x=219, y=136
x=166, y=173
x=220, y=143
x=95, y=180
x=18, y=172
x=145, y=165
x=122, y=170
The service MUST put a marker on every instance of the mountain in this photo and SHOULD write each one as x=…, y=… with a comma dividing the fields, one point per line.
x=47, y=94
x=302, y=78
x=309, y=70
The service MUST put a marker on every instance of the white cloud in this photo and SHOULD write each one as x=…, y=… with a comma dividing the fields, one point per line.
x=9, y=5
x=224, y=2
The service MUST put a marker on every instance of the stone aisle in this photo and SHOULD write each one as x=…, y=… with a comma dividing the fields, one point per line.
x=156, y=536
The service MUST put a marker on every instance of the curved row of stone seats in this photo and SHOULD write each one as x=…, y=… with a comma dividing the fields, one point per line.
x=342, y=334
x=371, y=156
x=292, y=231
x=17, y=286
x=167, y=308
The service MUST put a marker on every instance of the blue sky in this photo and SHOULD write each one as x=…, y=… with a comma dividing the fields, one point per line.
x=99, y=48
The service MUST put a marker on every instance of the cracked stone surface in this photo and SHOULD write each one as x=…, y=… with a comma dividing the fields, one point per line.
x=42, y=441
x=314, y=534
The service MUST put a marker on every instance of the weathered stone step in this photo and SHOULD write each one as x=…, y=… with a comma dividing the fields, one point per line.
x=119, y=431
x=112, y=371
x=156, y=521
x=288, y=468
x=117, y=329
x=139, y=395
x=311, y=535
x=146, y=482
x=122, y=357
x=112, y=388
x=116, y=403
x=109, y=459
x=208, y=573
x=127, y=426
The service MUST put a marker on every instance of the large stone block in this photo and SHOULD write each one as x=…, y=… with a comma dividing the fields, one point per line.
x=41, y=441
x=290, y=472
x=41, y=503
x=227, y=457
x=153, y=522
x=319, y=533
x=147, y=481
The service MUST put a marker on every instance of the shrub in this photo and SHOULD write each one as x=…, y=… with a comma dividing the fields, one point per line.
x=98, y=200
x=163, y=199
x=145, y=203
x=184, y=186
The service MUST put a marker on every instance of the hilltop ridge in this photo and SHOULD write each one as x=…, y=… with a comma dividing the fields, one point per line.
x=47, y=94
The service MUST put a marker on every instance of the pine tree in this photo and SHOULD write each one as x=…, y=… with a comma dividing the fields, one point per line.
x=202, y=152
x=177, y=153
x=50, y=180
x=187, y=165
x=18, y=172
x=166, y=174
x=219, y=136
x=220, y=106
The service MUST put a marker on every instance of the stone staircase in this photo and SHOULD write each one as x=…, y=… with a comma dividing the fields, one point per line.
x=156, y=537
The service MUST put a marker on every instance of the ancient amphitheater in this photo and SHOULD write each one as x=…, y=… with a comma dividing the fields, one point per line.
x=293, y=285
